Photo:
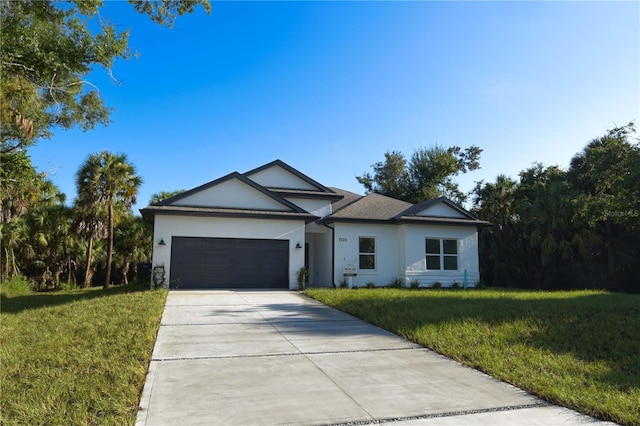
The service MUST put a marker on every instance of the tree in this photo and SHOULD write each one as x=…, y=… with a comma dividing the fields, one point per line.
x=49, y=241
x=22, y=189
x=427, y=175
x=47, y=50
x=163, y=195
x=90, y=223
x=390, y=178
x=21, y=186
x=110, y=181
x=607, y=176
x=133, y=243
x=14, y=236
x=495, y=202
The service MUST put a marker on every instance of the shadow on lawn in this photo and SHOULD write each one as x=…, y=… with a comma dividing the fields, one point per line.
x=19, y=303
x=592, y=327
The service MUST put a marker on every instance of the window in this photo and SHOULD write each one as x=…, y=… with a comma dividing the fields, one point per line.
x=442, y=254
x=367, y=248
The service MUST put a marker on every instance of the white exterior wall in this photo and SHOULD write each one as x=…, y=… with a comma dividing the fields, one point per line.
x=232, y=194
x=168, y=226
x=401, y=253
x=415, y=260
x=277, y=177
x=388, y=251
x=441, y=210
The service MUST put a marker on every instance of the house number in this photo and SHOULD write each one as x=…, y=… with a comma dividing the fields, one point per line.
x=342, y=240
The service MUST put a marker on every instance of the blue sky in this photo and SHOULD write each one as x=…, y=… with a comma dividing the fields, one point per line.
x=329, y=87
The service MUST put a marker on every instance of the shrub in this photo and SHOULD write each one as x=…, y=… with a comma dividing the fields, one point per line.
x=414, y=283
x=397, y=283
x=370, y=284
x=303, y=278
x=344, y=283
x=159, y=276
x=436, y=284
x=15, y=287
x=455, y=285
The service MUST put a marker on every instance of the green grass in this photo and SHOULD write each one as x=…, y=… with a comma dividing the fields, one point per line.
x=75, y=357
x=578, y=349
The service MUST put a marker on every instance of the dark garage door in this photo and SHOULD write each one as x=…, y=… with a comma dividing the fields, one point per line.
x=229, y=263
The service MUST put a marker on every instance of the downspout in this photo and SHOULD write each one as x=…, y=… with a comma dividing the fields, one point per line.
x=333, y=252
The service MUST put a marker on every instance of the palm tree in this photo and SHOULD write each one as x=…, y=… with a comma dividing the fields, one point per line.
x=14, y=237
x=163, y=195
x=606, y=175
x=91, y=224
x=110, y=181
x=495, y=202
x=133, y=244
x=50, y=240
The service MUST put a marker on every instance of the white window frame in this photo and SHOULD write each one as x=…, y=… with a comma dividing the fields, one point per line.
x=441, y=254
x=375, y=257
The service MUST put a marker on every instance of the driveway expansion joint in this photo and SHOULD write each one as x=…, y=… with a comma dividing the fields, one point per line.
x=188, y=358
x=444, y=414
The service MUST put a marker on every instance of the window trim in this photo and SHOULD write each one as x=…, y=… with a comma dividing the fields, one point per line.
x=374, y=254
x=441, y=255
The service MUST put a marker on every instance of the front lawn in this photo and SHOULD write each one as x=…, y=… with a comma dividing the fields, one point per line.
x=578, y=349
x=75, y=357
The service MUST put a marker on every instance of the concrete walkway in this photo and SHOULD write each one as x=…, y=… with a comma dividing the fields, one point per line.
x=280, y=358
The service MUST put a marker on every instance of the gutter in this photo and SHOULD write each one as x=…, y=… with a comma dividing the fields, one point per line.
x=333, y=252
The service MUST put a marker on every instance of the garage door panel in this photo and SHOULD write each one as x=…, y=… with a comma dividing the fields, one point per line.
x=229, y=263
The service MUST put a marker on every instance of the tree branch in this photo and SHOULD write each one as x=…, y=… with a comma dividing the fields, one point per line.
x=13, y=64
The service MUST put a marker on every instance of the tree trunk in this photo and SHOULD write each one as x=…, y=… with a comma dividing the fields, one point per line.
x=87, y=271
x=611, y=261
x=107, y=282
x=125, y=271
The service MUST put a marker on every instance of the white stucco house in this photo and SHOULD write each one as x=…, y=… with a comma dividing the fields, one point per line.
x=257, y=229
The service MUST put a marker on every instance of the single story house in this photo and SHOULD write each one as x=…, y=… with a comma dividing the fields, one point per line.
x=259, y=228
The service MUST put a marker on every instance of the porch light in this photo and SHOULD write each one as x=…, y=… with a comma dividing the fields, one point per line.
x=298, y=245
x=162, y=243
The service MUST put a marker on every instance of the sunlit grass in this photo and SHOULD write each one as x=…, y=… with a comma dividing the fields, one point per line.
x=579, y=349
x=75, y=357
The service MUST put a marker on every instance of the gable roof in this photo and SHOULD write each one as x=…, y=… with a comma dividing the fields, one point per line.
x=217, y=182
x=271, y=206
x=381, y=209
x=269, y=201
x=456, y=215
x=309, y=188
x=316, y=186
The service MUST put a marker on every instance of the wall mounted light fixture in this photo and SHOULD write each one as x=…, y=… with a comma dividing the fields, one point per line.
x=162, y=243
x=298, y=245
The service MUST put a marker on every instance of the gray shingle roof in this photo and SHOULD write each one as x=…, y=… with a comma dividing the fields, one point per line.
x=379, y=208
x=374, y=207
x=348, y=198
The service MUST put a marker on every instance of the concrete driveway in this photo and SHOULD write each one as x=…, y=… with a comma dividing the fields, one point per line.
x=278, y=357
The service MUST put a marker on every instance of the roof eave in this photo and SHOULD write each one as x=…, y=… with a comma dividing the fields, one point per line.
x=150, y=213
x=443, y=221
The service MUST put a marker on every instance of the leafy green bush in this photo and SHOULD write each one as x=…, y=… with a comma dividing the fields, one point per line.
x=436, y=284
x=397, y=283
x=303, y=278
x=16, y=287
x=370, y=284
x=414, y=284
